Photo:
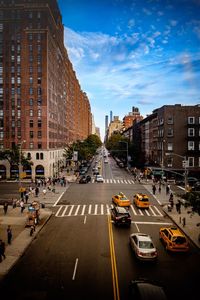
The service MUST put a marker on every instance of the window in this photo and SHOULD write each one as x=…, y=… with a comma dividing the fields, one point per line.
x=191, y=161
x=29, y=155
x=170, y=120
x=190, y=131
x=170, y=132
x=39, y=145
x=31, y=134
x=30, y=36
x=41, y=155
x=170, y=146
x=199, y=161
x=13, y=80
x=18, y=80
x=191, y=120
x=31, y=145
x=19, y=113
x=31, y=123
x=191, y=145
x=40, y=124
x=31, y=113
x=31, y=101
x=39, y=113
x=30, y=80
x=39, y=134
x=37, y=155
x=31, y=69
x=199, y=145
x=30, y=91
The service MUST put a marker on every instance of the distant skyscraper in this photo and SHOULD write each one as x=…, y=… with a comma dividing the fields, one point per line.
x=111, y=116
x=106, y=123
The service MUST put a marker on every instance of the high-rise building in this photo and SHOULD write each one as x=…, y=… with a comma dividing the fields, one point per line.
x=42, y=106
x=111, y=116
x=106, y=123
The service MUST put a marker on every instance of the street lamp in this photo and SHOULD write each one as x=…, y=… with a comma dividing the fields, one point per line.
x=126, y=150
x=184, y=165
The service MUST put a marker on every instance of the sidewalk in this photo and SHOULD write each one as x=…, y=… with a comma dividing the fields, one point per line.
x=21, y=234
x=185, y=220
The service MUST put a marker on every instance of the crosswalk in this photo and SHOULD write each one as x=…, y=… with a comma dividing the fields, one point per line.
x=115, y=181
x=102, y=209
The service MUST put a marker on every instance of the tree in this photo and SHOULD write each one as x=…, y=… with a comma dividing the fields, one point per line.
x=13, y=156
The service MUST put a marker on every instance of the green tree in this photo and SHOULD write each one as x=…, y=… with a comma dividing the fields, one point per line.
x=13, y=156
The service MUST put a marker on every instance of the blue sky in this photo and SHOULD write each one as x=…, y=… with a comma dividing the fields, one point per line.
x=143, y=53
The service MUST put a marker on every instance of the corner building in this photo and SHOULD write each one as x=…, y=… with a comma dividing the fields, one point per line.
x=42, y=107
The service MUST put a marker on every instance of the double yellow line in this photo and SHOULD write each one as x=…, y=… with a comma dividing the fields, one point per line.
x=113, y=261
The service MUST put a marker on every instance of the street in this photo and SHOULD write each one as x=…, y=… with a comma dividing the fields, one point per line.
x=80, y=254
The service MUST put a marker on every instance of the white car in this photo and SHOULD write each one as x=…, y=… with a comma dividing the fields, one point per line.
x=143, y=246
x=99, y=178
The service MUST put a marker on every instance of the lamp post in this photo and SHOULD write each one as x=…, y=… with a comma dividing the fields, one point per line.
x=184, y=165
x=126, y=151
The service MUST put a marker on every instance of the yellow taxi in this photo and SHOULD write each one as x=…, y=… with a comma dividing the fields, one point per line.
x=141, y=200
x=173, y=239
x=121, y=200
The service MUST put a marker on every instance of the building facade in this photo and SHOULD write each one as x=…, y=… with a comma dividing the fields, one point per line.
x=42, y=106
x=170, y=139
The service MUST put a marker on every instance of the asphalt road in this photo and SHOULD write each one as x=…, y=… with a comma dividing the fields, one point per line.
x=80, y=254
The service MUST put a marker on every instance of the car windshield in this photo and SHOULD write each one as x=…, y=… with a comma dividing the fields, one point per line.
x=144, y=199
x=179, y=240
x=123, y=198
x=146, y=245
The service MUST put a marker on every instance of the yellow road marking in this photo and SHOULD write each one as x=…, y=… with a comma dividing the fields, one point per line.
x=113, y=261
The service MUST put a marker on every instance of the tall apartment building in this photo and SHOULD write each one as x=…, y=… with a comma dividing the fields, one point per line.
x=171, y=138
x=42, y=107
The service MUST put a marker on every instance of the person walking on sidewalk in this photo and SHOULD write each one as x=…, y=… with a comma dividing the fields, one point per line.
x=22, y=206
x=5, y=207
x=2, y=250
x=9, y=234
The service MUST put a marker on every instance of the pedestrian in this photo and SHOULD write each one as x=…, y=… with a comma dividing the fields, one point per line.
x=26, y=197
x=22, y=206
x=167, y=189
x=2, y=250
x=9, y=234
x=36, y=191
x=154, y=188
x=5, y=207
x=44, y=192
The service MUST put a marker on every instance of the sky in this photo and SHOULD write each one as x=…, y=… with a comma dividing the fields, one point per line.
x=141, y=53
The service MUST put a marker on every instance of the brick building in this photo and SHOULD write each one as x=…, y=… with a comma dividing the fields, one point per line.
x=42, y=106
x=170, y=139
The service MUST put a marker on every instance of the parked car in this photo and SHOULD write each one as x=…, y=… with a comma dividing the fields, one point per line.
x=143, y=246
x=144, y=289
x=190, y=181
x=196, y=187
x=121, y=200
x=120, y=216
x=99, y=178
x=173, y=239
x=141, y=200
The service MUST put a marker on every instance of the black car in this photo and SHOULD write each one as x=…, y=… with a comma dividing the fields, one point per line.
x=121, y=216
x=143, y=289
x=85, y=179
x=196, y=187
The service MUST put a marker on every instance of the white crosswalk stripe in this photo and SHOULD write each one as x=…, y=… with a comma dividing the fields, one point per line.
x=103, y=209
x=114, y=181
